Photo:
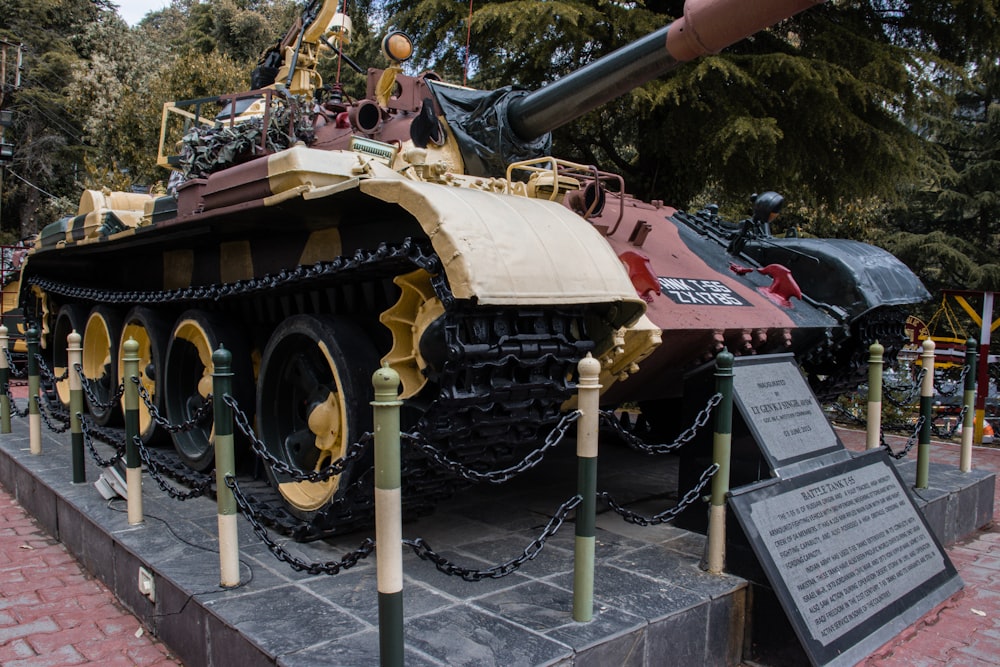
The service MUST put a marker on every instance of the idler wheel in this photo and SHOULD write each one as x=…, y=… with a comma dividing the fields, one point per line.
x=151, y=331
x=313, y=403
x=100, y=363
x=71, y=317
x=187, y=380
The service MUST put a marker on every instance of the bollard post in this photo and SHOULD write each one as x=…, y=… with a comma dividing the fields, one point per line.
x=225, y=465
x=388, y=517
x=34, y=386
x=133, y=463
x=589, y=392
x=74, y=356
x=721, y=449
x=969, y=402
x=927, y=412
x=4, y=381
x=875, y=365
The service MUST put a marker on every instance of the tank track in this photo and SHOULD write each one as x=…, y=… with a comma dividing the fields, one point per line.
x=503, y=375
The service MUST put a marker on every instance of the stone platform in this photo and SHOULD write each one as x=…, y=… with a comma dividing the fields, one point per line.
x=653, y=604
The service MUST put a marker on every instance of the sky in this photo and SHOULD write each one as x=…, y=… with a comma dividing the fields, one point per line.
x=133, y=11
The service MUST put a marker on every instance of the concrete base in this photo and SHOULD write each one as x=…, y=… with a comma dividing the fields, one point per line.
x=653, y=603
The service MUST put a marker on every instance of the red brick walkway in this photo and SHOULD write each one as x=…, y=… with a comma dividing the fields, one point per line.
x=964, y=630
x=52, y=613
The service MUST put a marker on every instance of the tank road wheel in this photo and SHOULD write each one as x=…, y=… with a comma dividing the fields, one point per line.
x=71, y=317
x=187, y=380
x=152, y=331
x=417, y=308
x=313, y=403
x=100, y=363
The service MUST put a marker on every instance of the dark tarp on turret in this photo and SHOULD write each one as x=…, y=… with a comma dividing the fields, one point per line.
x=478, y=119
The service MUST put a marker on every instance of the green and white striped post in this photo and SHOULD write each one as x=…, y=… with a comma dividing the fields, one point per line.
x=133, y=463
x=4, y=381
x=927, y=412
x=225, y=465
x=34, y=387
x=875, y=365
x=74, y=357
x=721, y=450
x=589, y=393
x=969, y=401
x=388, y=517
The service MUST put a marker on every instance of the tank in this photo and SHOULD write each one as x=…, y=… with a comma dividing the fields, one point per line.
x=429, y=228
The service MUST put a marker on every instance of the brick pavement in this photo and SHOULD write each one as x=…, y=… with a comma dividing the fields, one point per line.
x=52, y=613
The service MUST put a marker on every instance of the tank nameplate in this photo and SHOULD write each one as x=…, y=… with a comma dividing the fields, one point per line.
x=700, y=292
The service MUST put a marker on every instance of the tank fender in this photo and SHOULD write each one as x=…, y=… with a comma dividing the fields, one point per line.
x=506, y=250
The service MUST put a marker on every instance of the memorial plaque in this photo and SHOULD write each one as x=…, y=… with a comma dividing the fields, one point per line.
x=850, y=557
x=781, y=410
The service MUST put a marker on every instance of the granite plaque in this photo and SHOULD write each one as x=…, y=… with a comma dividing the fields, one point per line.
x=850, y=557
x=781, y=410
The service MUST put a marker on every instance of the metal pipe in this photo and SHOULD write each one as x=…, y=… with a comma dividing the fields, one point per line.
x=225, y=466
x=707, y=26
x=875, y=365
x=74, y=358
x=721, y=449
x=34, y=385
x=969, y=402
x=133, y=462
x=388, y=516
x=4, y=381
x=589, y=392
x=927, y=412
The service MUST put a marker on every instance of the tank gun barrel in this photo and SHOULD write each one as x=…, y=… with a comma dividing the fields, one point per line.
x=707, y=26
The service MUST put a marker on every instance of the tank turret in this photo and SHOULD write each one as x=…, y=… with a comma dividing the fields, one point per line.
x=427, y=226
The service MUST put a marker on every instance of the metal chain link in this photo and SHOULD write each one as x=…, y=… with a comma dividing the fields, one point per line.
x=336, y=467
x=329, y=567
x=909, y=441
x=153, y=468
x=92, y=397
x=47, y=418
x=949, y=432
x=47, y=373
x=102, y=463
x=669, y=514
x=196, y=420
x=424, y=551
x=13, y=406
x=462, y=471
x=12, y=367
x=686, y=436
x=960, y=382
x=912, y=390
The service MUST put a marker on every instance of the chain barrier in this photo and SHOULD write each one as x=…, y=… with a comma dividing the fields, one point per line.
x=949, y=432
x=153, y=468
x=955, y=384
x=912, y=390
x=47, y=418
x=462, y=471
x=668, y=514
x=197, y=419
x=13, y=406
x=424, y=551
x=47, y=373
x=13, y=367
x=686, y=436
x=329, y=567
x=336, y=467
x=88, y=439
x=92, y=397
x=912, y=440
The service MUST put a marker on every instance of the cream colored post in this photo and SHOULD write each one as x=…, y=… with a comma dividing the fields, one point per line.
x=34, y=389
x=875, y=365
x=133, y=463
x=589, y=391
